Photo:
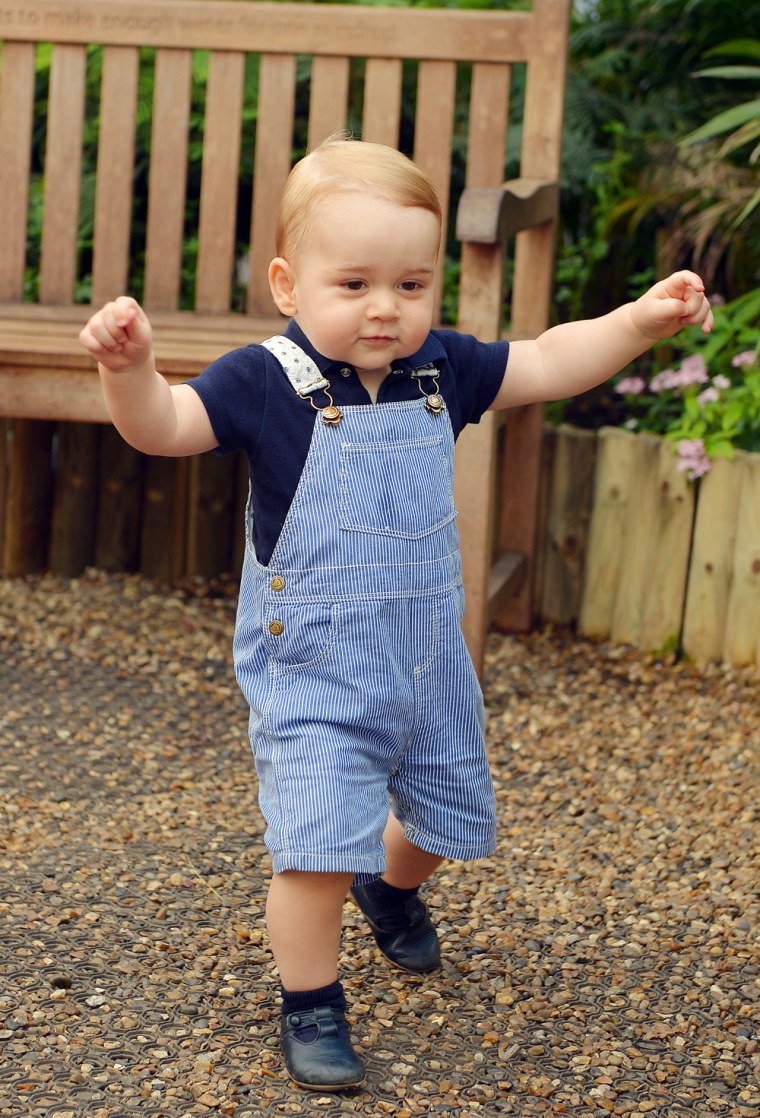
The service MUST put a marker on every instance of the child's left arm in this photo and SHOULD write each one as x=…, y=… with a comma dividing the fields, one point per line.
x=576, y=356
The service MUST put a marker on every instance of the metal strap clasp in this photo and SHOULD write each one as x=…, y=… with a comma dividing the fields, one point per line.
x=331, y=414
x=434, y=401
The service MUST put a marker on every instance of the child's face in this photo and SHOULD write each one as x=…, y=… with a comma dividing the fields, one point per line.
x=363, y=279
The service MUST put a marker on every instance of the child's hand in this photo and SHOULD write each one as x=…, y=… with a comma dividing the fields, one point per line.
x=672, y=303
x=119, y=336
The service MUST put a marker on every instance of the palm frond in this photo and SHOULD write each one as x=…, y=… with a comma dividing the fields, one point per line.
x=730, y=118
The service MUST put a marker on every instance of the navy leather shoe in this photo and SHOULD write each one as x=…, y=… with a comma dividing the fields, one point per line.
x=405, y=936
x=325, y=1061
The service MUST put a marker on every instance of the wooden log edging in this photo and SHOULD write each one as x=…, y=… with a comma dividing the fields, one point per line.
x=628, y=550
x=741, y=638
x=659, y=563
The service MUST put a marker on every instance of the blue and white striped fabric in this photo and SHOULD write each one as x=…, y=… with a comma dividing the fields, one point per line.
x=349, y=650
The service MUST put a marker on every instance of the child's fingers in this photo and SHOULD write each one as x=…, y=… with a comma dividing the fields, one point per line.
x=112, y=326
x=697, y=310
x=116, y=318
x=679, y=284
x=117, y=334
x=125, y=312
x=693, y=281
x=99, y=335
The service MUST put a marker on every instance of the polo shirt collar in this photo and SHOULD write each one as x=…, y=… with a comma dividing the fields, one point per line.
x=431, y=352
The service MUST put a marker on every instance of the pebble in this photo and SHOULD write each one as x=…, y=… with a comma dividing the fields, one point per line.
x=605, y=961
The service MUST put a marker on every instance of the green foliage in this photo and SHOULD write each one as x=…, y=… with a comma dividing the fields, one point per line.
x=742, y=121
x=579, y=258
x=639, y=64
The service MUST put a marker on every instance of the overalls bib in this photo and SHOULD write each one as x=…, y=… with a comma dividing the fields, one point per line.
x=349, y=650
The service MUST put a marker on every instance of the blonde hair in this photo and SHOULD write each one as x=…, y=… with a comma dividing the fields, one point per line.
x=339, y=164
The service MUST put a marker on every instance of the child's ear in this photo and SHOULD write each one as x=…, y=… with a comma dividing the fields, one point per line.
x=282, y=284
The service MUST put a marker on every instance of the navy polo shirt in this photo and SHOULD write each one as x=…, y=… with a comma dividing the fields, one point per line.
x=252, y=407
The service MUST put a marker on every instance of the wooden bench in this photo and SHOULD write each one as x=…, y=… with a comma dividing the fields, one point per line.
x=269, y=78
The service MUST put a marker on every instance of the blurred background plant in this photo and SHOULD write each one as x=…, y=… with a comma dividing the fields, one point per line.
x=661, y=171
x=642, y=172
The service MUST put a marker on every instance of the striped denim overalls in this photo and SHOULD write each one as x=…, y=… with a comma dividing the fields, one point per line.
x=349, y=650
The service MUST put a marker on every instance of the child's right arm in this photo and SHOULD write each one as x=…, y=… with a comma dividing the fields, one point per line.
x=149, y=414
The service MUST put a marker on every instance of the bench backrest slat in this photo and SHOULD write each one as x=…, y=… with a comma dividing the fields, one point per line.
x=219, y=181
x=489, y=111
x=167, y=183
x=116, y=145
x=382, y=101
x=272, y=161
x=16, y=116
x=328, y=100
x=63, y=161
x=434, y=130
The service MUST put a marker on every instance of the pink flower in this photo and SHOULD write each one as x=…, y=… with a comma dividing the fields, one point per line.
x=668, y=378
x=721, y=382
x=630, y=386
x=693, y=458
x=709, y=396
x=693, y=370
x=748, y=357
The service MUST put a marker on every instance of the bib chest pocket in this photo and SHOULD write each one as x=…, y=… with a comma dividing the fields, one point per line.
x=399, y=489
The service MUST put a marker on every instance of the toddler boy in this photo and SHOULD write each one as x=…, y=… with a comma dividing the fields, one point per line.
x=366, y=717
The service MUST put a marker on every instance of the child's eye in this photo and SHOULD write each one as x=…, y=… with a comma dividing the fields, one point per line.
x=354, y=285
x=411, y=285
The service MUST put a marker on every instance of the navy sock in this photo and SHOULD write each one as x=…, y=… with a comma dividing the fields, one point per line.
x=389, y=895
x=300, y=1001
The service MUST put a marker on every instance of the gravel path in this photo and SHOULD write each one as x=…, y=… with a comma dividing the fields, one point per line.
x=605, y=961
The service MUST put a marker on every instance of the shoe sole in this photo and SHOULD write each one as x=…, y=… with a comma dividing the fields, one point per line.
x=407, y=970
x=328, y=1088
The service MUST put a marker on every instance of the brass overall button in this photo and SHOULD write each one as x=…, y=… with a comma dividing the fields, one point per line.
x=276, y=628
x=277, y=583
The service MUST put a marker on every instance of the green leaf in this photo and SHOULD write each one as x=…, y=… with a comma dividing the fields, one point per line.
x=748, y=209
x=739, y=72
x=744, y=135
x=724, y=122
x=719, y=448
x=750, y=48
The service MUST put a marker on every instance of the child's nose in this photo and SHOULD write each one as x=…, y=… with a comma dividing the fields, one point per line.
x=383, y=304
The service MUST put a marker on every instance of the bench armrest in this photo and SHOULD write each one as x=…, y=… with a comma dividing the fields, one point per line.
x=489, y=215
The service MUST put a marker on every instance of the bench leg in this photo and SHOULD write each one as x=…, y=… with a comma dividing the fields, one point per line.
x=518, y=515
x=29, y=497
x=72, y=539
x=475, y=500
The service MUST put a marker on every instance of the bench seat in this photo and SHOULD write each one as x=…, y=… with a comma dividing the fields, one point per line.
x=45, y=373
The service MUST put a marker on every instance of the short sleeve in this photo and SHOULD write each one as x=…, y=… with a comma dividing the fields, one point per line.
x=478, y=370
x=233, y=390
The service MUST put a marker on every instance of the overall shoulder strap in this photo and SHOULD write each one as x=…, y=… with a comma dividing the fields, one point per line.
x=298, y=367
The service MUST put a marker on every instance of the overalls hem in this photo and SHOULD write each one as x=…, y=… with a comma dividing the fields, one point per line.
x=328, y=863
x=451, y=852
